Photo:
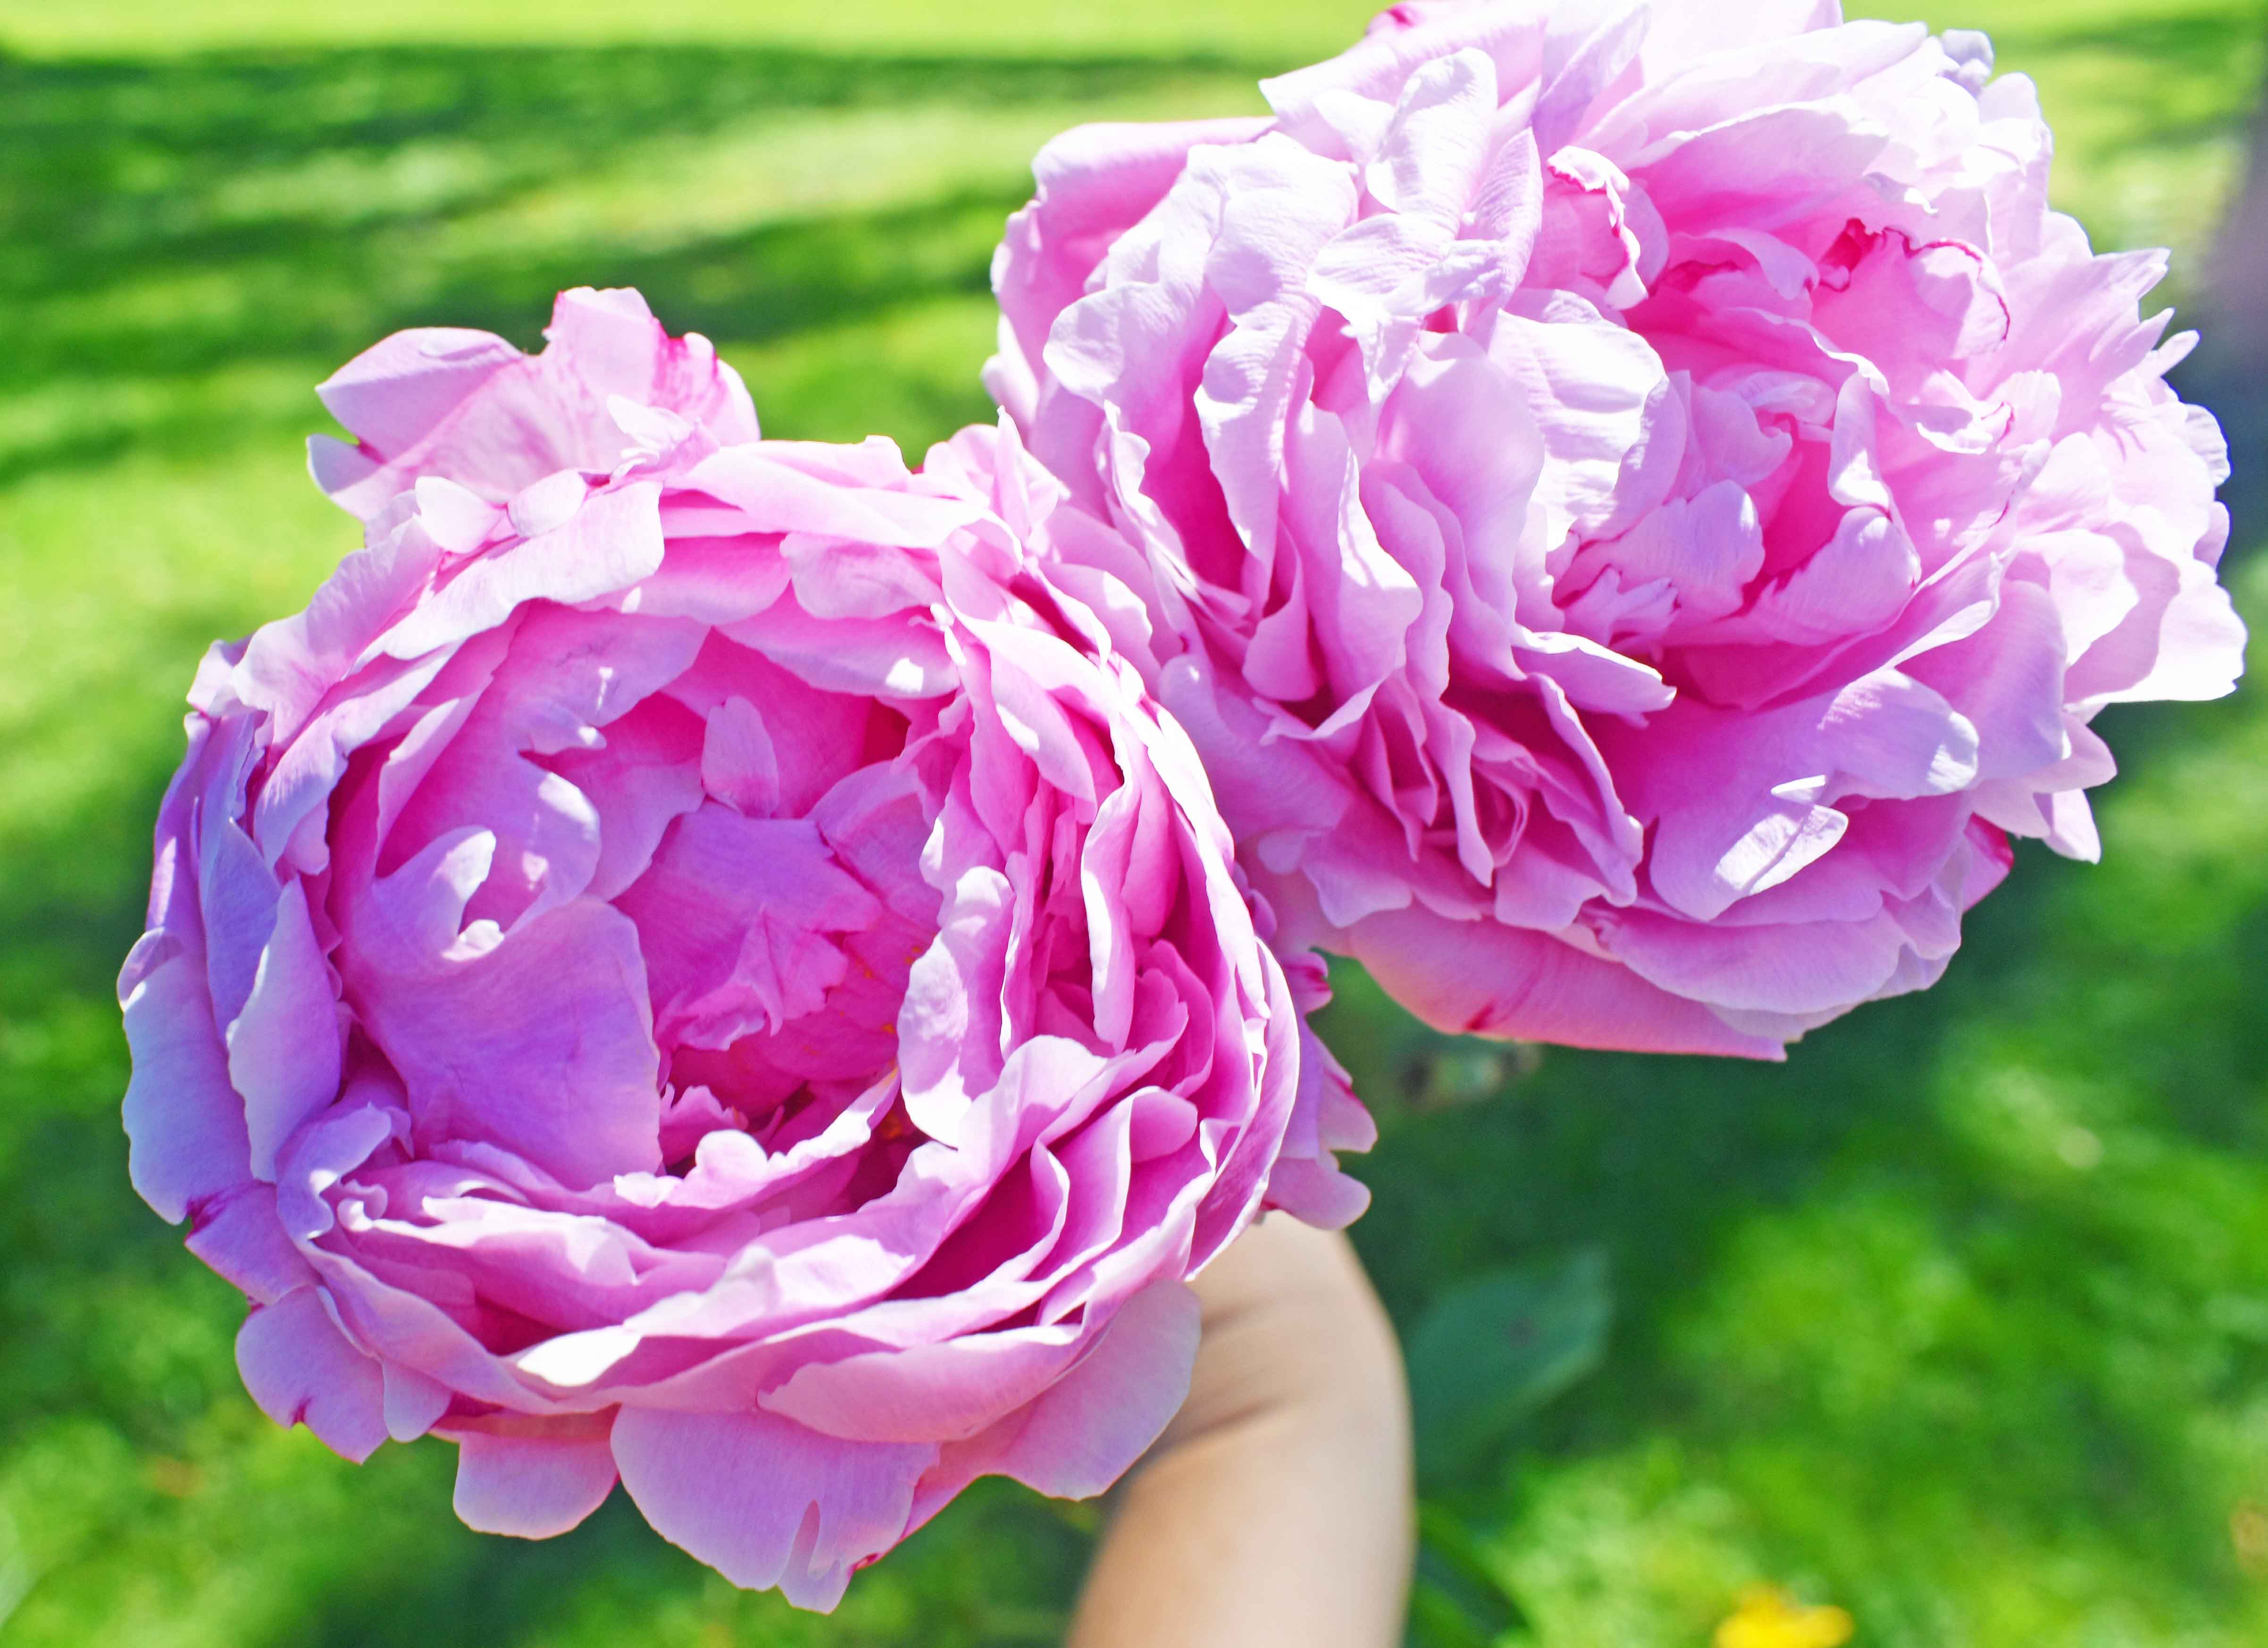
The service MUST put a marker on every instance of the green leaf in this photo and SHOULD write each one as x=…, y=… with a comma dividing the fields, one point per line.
x=1456, y=1600
x=1436, y=1621
x=1493, y=1350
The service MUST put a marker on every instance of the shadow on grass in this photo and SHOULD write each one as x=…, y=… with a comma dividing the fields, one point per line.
x=996, y=1569
x=169, y=218
x=738, y=288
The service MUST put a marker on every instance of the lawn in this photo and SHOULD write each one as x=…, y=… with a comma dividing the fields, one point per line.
x=1959, y=1320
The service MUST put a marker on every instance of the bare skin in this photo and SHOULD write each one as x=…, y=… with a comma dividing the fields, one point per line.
x=1277, y=1509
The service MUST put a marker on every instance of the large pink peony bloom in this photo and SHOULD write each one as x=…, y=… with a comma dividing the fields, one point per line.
x=1635, y=514
x=690, y=961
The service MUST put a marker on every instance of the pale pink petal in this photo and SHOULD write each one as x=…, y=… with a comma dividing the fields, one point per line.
x=608, y=545
x=300, y=1369
x=184, y=1123
x=929, y=1393
x=531, y=1487
x=284, y=1049
x=1483, y=979
x=240, y=1235
x=1091, y=1427
x=764, y=1501
x=543, y=1044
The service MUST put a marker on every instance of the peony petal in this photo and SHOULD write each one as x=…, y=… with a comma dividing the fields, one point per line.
x=764, y=1501
x=414, y=1403
x=1481, y=979
x=184, y=1124
x=741, y=921
x=284, y=1049
x=929, y=1392
x=240, y=1236
x=1089, y=1429
x=531, y=1487
x=300, y=1369
x=392, y=394
x=542, y=1044
x=608, y=545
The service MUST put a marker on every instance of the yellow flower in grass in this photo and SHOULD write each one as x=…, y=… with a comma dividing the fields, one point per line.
x=1767, y=1617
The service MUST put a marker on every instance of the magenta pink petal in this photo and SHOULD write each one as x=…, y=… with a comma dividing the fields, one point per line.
x=184, y=1123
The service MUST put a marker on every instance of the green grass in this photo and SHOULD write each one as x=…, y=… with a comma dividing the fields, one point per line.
x=1960, y=1319
x=1038, y=28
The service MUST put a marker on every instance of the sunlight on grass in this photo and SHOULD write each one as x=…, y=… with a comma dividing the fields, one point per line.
x=776, y=167
x=1036, y=26
x=913, y=381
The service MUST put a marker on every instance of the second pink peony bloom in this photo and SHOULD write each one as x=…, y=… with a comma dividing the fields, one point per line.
x=1637, y=505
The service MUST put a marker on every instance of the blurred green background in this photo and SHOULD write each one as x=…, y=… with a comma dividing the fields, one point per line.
x=1959, y=1320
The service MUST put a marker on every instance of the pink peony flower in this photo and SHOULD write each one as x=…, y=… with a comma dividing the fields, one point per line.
x=690, y=961
x=1635, y=513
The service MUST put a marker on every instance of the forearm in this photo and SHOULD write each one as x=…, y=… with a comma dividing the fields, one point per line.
x=1277, y=1508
